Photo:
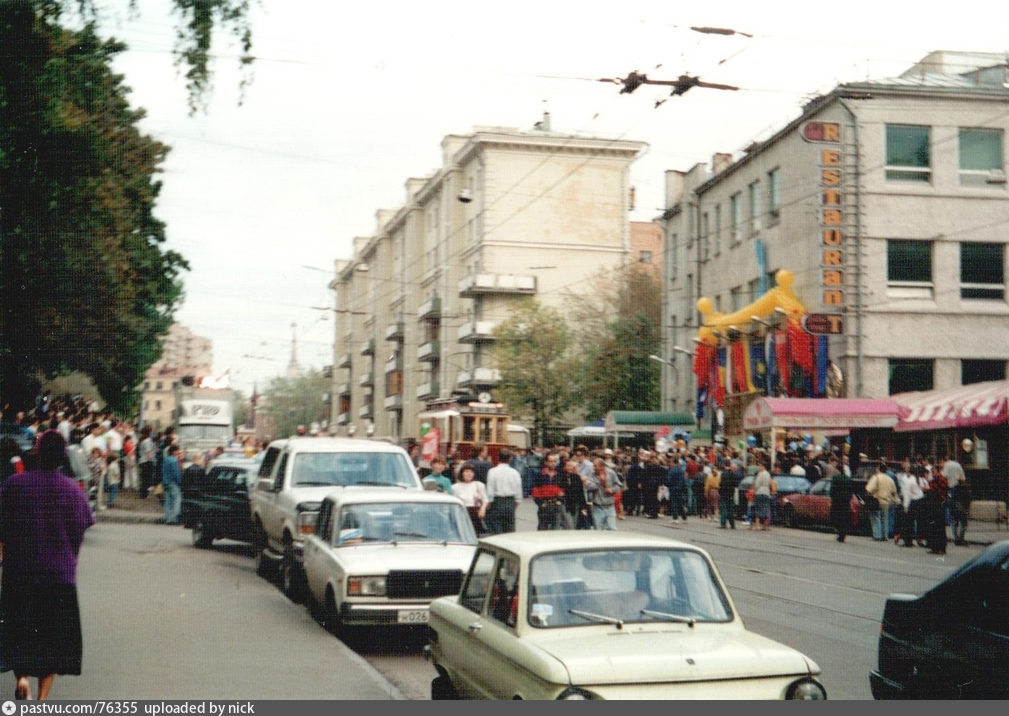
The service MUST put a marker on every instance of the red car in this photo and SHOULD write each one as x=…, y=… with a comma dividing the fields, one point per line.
x=813, y=506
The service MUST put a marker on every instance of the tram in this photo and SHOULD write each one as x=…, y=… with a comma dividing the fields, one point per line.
x=464, y=421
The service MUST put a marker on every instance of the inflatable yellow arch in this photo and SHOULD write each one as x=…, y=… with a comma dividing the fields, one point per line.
x=781, y=296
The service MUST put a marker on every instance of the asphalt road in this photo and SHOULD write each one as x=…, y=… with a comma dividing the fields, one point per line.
x=163, y=620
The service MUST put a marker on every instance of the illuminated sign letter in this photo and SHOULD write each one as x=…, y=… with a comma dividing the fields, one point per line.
x=830, y=177
x=833, y=278
x=833, y=258
x=830, y=197
x=832, y=237
x=830, y=158
x=833, y=297
x=831, y=217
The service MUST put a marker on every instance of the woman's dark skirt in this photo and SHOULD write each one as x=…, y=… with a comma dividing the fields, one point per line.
x=41, y=631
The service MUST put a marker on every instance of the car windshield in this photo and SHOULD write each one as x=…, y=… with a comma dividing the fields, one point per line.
x=625, y=586
x=404, y=522
x=386, y=469
x=203, y=432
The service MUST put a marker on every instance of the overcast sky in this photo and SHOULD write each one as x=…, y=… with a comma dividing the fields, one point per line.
x=349, y=100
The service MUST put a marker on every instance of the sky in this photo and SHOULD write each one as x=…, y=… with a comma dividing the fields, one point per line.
x=349, y=100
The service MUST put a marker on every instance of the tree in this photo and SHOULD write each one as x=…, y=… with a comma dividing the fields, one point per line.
x=84, y=282
x=291, y=402
x=616, y=328
x=532, y=353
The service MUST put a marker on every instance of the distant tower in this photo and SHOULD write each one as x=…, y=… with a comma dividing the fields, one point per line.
x=293, y=369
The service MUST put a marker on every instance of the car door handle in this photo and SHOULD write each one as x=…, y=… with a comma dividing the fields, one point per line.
x=475, y=627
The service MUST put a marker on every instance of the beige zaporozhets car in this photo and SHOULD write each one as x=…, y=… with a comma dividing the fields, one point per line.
x=603, y=615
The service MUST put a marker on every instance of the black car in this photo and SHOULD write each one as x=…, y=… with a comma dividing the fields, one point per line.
x=952, y=642
x=218, y=505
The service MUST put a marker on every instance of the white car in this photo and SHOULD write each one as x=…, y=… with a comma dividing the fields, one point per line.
x=603, y=615
x=380, y=557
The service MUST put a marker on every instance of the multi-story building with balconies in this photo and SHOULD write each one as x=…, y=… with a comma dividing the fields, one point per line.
x=509, y=214
x=888, y=202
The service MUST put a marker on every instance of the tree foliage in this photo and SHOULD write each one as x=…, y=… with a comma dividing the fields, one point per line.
x=616, y=327
x=291, y=402
x=532, y=353
x=84, y=281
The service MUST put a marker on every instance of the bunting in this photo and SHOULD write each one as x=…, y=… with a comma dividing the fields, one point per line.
x=720, y=385
x=822, y=365
x=739, y=367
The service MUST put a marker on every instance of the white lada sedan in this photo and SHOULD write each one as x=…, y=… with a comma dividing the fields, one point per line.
x=603, y=615
x=380, y=556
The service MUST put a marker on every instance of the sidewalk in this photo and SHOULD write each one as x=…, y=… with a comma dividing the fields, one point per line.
x=131, y=508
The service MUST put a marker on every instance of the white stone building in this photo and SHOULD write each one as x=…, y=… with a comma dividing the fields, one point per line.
x=888, y=201
x=508, y=214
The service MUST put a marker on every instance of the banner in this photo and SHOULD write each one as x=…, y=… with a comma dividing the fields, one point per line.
x=429, y=444
x=758, y=366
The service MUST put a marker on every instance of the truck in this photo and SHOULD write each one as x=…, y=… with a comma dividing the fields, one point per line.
x=203, y=417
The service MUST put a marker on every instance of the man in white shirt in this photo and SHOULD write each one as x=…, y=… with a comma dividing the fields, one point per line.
x=504, y=492
x=64, y=426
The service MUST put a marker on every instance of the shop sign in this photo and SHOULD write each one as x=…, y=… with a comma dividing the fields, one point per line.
x=831, y=210
x=824, y=324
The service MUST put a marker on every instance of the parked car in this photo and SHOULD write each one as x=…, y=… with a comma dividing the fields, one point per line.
x=380, y=558
x=785, y=485
x=952, y=642
x=295, y=475
x=603, y=615
x=813, y=507
x=218, y=506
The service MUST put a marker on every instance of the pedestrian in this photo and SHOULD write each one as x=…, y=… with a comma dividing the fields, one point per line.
x=762, y=497
x=712, y=480
x=437, y=480
x=600, y=487
x=473, y=495
x=635, y=479
x=481, y=463
x=145, y=460
x=504, y=493
x=10, y=459
x=43, y=516
x=549, y=491
x=935, y=514
x=959, y=509
x=676, y=478
x=171, y=484
x=113, y=478
x=97, y=467
x=574, y=496
x=882, y=487
x=655, y=476
x=910, y=493
x=840, y=504
x=130, y=463
x=730, y=480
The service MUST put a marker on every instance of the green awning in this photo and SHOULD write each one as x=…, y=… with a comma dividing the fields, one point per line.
x=643, y=421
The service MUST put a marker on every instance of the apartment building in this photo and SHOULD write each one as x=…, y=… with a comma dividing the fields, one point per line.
x=888, y=202
x=183, y=354
x=509, y=214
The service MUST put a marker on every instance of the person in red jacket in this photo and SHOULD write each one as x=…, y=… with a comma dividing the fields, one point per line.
x=548, y=492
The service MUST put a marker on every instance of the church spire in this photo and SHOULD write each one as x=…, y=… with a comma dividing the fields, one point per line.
x=293, y=369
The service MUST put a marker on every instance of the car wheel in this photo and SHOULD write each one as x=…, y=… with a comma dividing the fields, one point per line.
x=789, y=516
x=290, y=576
x=442, y=690
x=331, y=615
x=202, y=538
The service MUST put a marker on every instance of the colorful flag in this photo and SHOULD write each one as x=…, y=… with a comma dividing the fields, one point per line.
x=721, y=386
x=784, y=365
x=758, y=366
x=822, y=364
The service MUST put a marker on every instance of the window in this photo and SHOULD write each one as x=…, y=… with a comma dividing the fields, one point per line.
x=909, y=261
x=980, y=153
x=736, y=296
x=979, y=371
x=157, y=386
x=774, y=192
x=907, y=153
x=982, y=271
x=736, y=220
x=477, y=583
x=645, y=257
x=705, y=237
x=754, y=208
x=718, y=230
x=157, y=405
x=907, y=374
x=753, y=288
x=503, y=605
x=674, y=247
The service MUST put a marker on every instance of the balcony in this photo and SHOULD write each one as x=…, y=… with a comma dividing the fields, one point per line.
x=476, y=331
x=344, y=362
x=427, y=391
x=429, y=351
x=368, y=349
x=429, y=310
x=365, y=411
x=366, y=379
x=483, y=283
x=343, y=389
x=394, y=331
x=343, y=418
x=391, y=366
x=394, y=402
x=478, y=378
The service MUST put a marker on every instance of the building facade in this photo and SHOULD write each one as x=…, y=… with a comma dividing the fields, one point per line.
x=509, y=214
x=183, y=354
x=888, y=202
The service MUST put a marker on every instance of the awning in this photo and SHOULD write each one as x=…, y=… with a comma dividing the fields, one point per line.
x=642, y=421
x=819, y=413
x=960, y=407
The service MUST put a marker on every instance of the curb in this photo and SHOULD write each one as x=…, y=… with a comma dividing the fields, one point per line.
x=128, y=516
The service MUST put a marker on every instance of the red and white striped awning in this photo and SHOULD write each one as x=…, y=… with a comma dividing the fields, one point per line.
x=959, y=407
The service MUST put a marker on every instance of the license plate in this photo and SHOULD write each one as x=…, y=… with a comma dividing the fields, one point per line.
x=412, y=616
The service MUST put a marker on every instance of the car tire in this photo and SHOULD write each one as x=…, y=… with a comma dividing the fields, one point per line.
x=202, y=537
x=788, y=516
x=331, y=615
x=442, y=689
x=290, y=576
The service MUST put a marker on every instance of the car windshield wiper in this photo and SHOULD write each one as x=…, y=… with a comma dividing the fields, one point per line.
x=302, y=484
x=689, y=621
x=597, y=617
x=376, y=483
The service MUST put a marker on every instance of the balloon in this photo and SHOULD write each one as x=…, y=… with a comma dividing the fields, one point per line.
x=424, y=427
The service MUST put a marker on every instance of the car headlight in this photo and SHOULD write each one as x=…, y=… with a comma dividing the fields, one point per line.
x=806, y=690
x=366, y=587
x=573, y=694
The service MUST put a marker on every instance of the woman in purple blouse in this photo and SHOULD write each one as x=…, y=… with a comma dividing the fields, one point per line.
x=43, y=516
